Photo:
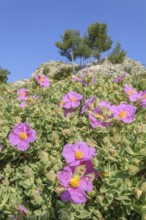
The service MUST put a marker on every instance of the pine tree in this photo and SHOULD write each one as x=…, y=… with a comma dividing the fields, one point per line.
x=68, y=46
x=98, y=39
x=83, y=50
x=3, y=75
x=117, y=55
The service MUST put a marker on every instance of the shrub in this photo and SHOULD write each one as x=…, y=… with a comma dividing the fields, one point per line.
x=29, y=178
x=117, y=55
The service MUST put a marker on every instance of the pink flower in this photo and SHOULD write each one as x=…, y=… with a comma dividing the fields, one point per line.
x=35, y=96
x=132, y=93
x=143, y=98
x=120, y=78
x=22, y=94
x=22, y=209
x=68, y=111
x=42, y=80
x=105, y=104
x=71, y=100
x=124, y=112
x=87, y=104
x=78, y=152
x=75, y=185
x=76, y=78
x=23, y=104
x=21, y=136
x=98, y=118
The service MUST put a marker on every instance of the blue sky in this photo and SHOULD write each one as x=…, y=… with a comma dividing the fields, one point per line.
x=30, y=28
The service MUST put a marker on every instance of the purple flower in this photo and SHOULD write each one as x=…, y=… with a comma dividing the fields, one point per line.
x=98, y=118
x=22, y=209
x=78, y=152
x=143, y=98
x=120, y=78
x=71, y=100
x=76, y=78
x=22, y=94
x=42, y=80
x=35, y=96
x=93, y=79
x=84, y=74
x=21, y=136
x=75, y=186
x=23, y=104
x=68, y=111
x=124, y=112
x=132, y=93
x=105, y=104
x=88, y=103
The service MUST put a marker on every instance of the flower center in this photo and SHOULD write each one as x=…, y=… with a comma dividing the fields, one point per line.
x=78, y=154
x=22, y=93
x=130, y=92
x=23, y=135
x=122, y=114
x=72, y=99
x=42, y=79
x=75, y=181
x=144, y=96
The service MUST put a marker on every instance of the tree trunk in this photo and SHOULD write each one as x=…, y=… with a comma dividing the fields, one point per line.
x=72, y=58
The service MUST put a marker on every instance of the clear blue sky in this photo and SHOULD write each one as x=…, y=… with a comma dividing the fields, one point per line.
x=30, y=28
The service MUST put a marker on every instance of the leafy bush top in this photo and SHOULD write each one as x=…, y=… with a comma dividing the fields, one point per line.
x=29, y=177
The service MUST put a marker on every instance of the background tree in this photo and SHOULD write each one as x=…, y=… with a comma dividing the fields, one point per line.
x=117, y=55
x=83, y=50
x=98, y=39
x=3, y=75
x=69, y=44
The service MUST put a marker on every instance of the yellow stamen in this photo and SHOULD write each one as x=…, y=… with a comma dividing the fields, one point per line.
x=75, y=181
x=131, y=92
x=23, y=135
x=72, y=99
x=42, y=79
x=122, y=114
x=78, y=154
x=23, y=93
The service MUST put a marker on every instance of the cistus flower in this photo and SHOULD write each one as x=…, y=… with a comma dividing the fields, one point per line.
x=98, y=118
x=78, y=152
x=35, y=96
x=76, y=78
x=143, y=99
x=22, y=209
x=88, y=103
x=133, y=95
x=120, y=78
x=22, y=94
x=23, y=104
x=124, y=112
x=21, y=136
x=71, y=100
x=42, y=80
x=75, y=185
x=68, y=111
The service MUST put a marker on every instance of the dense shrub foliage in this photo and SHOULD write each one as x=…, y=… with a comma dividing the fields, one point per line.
x=3, y=75
x=28, y=178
